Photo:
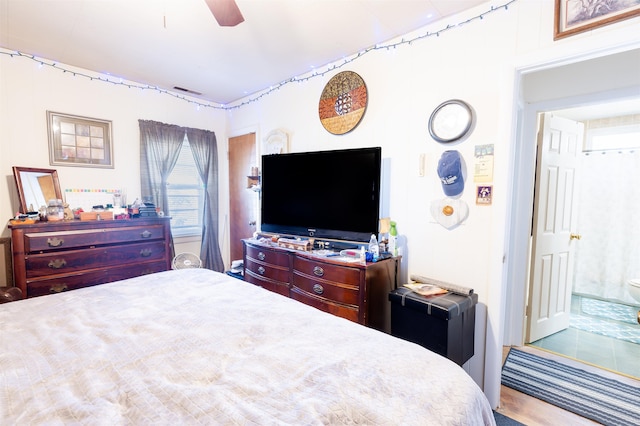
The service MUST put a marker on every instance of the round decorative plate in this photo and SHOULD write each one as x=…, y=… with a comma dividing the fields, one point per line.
x=343, y=103
x=451, y=121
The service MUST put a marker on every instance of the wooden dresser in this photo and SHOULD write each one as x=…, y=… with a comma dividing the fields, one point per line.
x=50, y=257
x=352, y=291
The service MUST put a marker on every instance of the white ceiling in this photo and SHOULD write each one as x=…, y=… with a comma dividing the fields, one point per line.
x=169, y=43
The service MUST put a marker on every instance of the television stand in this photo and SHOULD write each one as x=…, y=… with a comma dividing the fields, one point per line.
x=349, y=290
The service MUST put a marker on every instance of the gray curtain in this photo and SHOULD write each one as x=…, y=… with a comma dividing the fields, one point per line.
x=205, y=153
x=160, y=146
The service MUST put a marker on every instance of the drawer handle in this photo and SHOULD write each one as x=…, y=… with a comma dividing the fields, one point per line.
x=57, y=264
x=318, y=271
x=261, y=256
x=145, y=234
x=55, y=242
x=145, y=252
x=318, y=289
x=261, y=270
x=58, y=288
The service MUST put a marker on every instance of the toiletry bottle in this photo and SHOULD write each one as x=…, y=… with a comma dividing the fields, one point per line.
x=374, y=248
x=393, y=239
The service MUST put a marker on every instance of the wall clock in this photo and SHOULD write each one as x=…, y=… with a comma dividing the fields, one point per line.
x=451, y=121
x=343, y=103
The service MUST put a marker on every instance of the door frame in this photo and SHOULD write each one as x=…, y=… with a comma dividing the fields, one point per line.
x=226, y=245
x=527, y=101
x=244, y=203
x=518, y=242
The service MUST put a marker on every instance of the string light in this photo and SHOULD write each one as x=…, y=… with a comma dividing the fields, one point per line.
x=298, y=79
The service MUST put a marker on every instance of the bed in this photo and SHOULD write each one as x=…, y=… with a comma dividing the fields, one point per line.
x=195, y=346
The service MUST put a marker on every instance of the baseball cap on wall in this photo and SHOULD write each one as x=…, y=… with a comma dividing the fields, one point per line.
x=450, y=172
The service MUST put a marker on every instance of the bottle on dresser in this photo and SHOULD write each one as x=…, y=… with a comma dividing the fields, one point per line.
x=374, y=248
x=393, y=239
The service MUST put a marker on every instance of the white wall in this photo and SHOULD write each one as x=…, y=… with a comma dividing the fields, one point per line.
x=477, y=62
x=27, y=91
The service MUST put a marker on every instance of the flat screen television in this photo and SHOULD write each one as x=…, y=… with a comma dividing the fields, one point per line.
x=332, y=195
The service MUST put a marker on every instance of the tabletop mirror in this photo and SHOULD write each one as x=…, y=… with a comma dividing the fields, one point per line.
x=36, y=187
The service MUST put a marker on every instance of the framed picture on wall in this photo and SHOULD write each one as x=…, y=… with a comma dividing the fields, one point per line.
x=79, y=141
x=576, y=16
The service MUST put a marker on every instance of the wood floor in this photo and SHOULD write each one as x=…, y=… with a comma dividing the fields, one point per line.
x=532, y=411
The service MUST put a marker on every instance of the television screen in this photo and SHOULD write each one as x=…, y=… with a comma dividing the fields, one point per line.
x=322, y=194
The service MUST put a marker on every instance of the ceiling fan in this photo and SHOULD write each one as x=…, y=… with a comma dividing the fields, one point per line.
x=226, y=12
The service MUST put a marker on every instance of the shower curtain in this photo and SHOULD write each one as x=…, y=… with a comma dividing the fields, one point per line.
x=608, y=255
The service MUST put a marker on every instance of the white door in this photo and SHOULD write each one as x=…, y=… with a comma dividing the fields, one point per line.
x=554, y=235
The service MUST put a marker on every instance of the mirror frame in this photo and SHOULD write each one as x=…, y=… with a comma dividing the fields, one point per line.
x=17, y=171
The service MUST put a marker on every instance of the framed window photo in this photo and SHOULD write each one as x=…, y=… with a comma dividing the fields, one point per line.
x=576, y=16
x=79, y=141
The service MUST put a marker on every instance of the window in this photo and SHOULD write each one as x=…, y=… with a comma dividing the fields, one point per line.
x=621, y=137
x=185, y=192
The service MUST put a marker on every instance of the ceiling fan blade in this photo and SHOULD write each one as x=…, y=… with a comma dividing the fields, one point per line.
x=226, y=12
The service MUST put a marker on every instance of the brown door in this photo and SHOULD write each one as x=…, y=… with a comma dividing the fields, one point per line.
x=243, y=202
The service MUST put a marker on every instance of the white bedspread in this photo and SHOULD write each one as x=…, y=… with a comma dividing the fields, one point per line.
x=198, y=347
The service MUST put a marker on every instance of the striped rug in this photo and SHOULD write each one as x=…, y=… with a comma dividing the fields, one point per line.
x=604, y=400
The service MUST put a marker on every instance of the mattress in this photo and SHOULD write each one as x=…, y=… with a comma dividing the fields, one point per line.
x=199, y=347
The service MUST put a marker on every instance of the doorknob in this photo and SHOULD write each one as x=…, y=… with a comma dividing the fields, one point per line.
x=574, y=236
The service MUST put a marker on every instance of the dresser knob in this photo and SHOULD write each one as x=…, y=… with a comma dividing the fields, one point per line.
x=145, y=252
x=58, y=288
x=261, y=270
x=55, y=242
x=318, y=289
x=318, y=271
x=261, y=256
x=145, y=234
x=57, y=264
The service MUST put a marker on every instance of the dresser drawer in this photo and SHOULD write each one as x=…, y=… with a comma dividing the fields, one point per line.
x=281, y=287
x=64, y=262
x=117, y=273
x=349, y=312
x=325, y=290
x=65, y=240
x=275, y=272
x=59, y=283
x=267, y=256
x=326, y=271
x=65, y=283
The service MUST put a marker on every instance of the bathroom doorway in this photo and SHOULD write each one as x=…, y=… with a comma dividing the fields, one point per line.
x=602, y=329
x=575, y=83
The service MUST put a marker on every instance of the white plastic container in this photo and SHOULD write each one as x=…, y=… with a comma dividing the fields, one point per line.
x=374, y=248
